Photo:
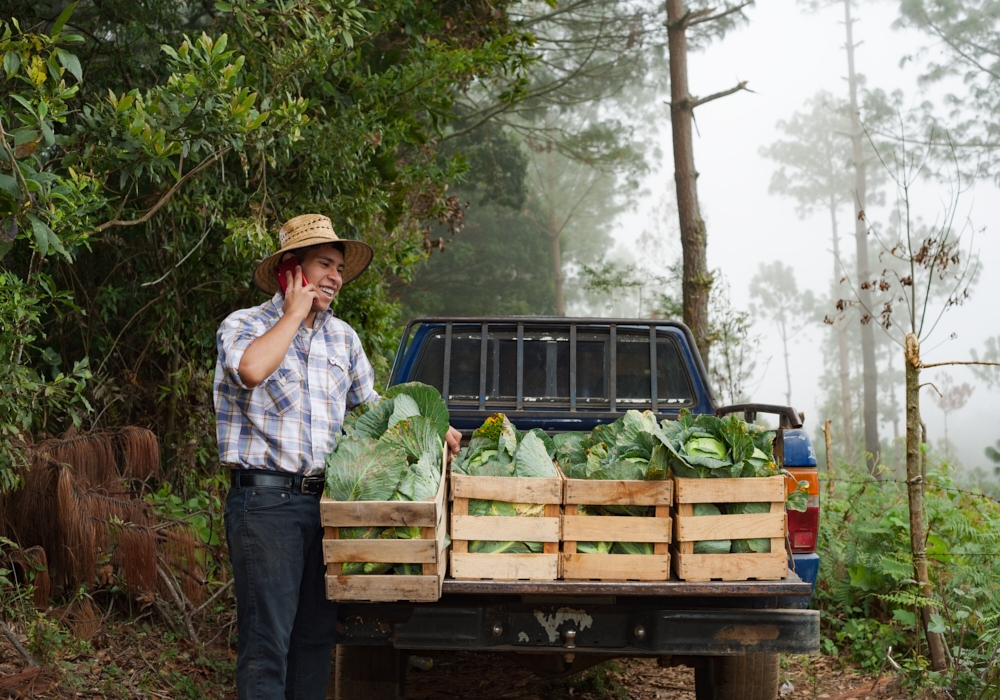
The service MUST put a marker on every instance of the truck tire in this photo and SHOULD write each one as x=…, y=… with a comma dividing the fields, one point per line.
x=369, y=673
x=746, y=677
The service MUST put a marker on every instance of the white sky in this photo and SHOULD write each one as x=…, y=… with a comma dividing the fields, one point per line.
x=789, y=54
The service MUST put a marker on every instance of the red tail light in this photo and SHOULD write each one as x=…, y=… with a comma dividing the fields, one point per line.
x=803, y=528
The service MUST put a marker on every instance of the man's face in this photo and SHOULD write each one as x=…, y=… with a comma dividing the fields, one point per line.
x=324, y=267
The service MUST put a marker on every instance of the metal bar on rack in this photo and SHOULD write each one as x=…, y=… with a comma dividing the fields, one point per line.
x=446, y=380
x=652, y=368
x=613, y=369
x=572, y=367
x=484, y=341
x=520, y=366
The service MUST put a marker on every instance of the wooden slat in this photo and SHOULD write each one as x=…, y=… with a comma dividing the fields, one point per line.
x=614, y=528
x=505, y=567
x=729, y=490
x=619, y=492
x=426, y=513
x=394, y=551
x=552, y=513
x=661, y=547
x=388, y=588
x=616, y=567
x=377, y=513
x=504, y=529
x=730, y=527
x=460, y=506
x=730, y=567
x=509, y=489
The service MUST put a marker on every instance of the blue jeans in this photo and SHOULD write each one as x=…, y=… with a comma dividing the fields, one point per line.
x=286, y=625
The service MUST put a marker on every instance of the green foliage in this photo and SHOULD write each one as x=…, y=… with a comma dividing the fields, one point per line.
x=866, y=590
x=629, y=448
x=151, y=148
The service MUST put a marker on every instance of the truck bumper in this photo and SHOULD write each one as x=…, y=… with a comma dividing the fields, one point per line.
x=581, y=626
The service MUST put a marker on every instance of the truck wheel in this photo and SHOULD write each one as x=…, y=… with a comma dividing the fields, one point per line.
x=370, y=673
x=746, y=677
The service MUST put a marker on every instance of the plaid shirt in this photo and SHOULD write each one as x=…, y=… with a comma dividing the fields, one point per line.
x=290, y=421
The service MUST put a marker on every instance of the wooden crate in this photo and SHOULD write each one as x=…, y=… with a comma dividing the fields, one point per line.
x=600, y=528
x=506, y=567
x=689, y=528
x=430, y=515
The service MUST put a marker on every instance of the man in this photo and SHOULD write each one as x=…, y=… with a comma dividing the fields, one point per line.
x=287, y=372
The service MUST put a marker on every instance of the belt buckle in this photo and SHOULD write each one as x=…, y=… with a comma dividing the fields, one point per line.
x=308, y=482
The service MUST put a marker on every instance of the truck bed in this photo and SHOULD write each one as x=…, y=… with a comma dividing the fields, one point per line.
x=791, y=586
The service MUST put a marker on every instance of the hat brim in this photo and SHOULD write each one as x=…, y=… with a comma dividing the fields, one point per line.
x=358, y=256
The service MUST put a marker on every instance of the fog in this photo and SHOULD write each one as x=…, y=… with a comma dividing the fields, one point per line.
x=788, y=54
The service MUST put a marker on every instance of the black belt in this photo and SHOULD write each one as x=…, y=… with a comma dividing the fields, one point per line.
x=312, y=485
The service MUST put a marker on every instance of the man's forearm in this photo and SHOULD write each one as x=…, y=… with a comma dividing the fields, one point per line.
x=266, y=353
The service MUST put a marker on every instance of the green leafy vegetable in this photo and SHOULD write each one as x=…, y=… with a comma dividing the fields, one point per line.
x=391, y=450
x=710, y=546
x=757, y=544
x=497, y=448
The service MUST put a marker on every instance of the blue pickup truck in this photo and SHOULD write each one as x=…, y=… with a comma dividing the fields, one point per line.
x=563, y=374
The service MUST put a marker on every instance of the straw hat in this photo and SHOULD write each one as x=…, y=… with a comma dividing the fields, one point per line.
x=307, y=230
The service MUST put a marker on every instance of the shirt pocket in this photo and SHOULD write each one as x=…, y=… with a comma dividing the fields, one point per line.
x=339, y=375
x=284, y=390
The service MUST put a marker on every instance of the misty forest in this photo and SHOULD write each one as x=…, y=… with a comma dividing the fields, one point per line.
x=811, y=187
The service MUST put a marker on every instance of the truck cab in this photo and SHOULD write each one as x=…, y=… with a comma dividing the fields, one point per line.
x=562, y=374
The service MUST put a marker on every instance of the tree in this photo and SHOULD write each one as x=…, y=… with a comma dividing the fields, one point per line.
x=583, y=98
x=933, y=263
x=775, y=296
x=813, y=161
x=697, y=280
x=132, y=219
x=950, y=397
x=992, y=453
x=968, y=33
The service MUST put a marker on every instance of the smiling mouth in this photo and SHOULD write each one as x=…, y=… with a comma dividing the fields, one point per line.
x=328, y=292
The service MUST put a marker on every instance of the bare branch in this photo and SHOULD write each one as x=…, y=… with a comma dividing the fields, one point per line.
x=685, y=20
x=165, y=199
x=12, y=638
x=960, y=362
x=722, y=14
x=180, y=600
x=698, y=101
x=211, y=600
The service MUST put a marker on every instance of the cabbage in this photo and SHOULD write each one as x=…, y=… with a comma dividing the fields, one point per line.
x=706, y=446
x=757, y=544
x=390, y=451
x=710, y=546
x=498, y=448
x=630, y=448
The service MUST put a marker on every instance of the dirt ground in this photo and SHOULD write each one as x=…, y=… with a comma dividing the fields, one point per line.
x=493, y=677
x=143, y=661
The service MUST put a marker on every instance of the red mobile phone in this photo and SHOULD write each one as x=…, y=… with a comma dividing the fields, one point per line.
x=288, y=266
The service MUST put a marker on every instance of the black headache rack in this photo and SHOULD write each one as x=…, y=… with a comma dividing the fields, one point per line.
x=527, y=406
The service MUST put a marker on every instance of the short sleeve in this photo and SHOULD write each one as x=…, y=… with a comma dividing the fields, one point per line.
x=233, y=338
x=362, y=375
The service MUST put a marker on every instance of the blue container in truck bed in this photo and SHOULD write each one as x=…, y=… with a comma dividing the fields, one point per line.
x=563, y=374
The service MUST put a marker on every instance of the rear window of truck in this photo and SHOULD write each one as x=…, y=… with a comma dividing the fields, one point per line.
x=548, y=376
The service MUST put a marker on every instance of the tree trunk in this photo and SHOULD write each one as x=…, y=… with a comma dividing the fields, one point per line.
x=846, y=413
x=830, y=476
x=553, y=230
x=697, y=281
x=869, y=373
x=788, y=369
x=915, y=491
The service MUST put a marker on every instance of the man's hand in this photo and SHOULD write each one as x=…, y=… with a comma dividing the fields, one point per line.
x=298, y=299
x=454, y=440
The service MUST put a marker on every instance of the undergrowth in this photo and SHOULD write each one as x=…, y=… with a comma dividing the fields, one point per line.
x=869, y=602
x=600, y=681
